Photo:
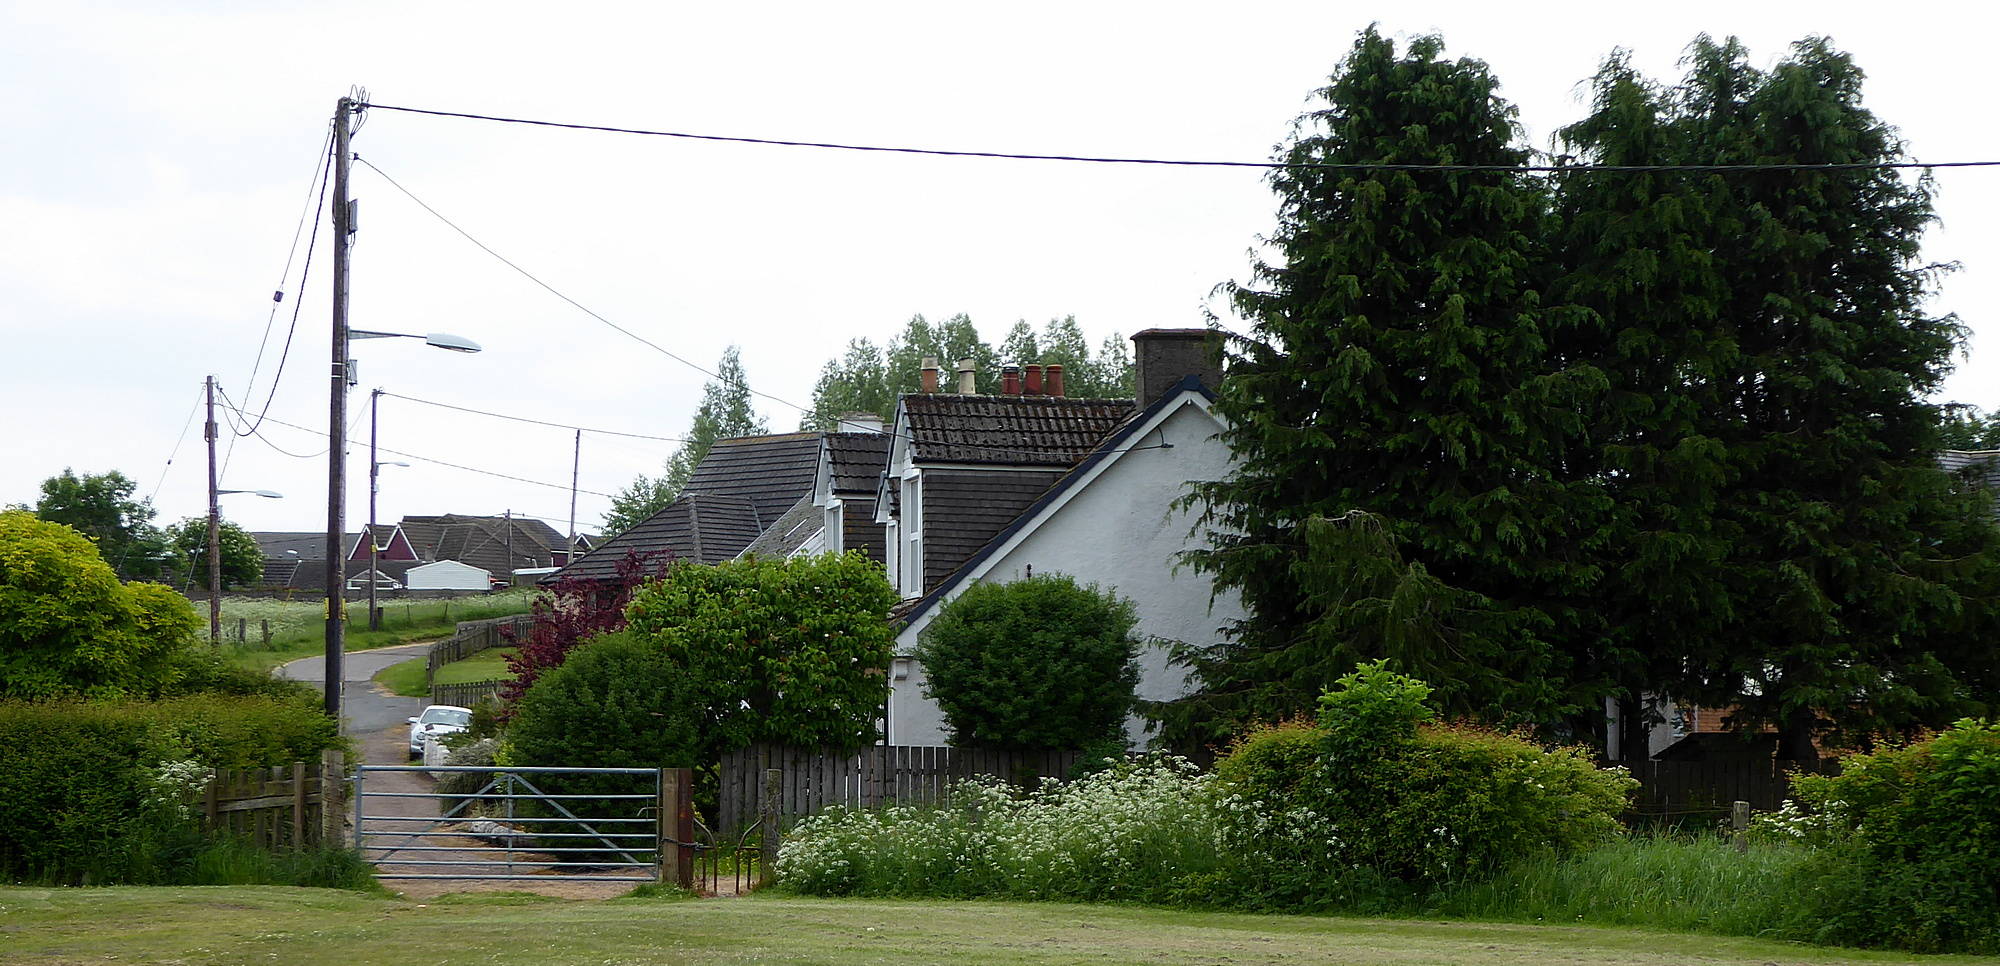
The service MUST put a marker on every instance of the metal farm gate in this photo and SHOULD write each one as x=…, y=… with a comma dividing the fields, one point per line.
x=509, y=826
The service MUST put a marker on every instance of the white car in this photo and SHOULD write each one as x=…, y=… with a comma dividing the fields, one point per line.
x=437, y=721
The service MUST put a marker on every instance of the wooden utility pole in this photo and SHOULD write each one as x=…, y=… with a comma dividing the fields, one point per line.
x=214, y=526
x=576, y=464
x=336, y=474
x=510, y=550
x=374, y=484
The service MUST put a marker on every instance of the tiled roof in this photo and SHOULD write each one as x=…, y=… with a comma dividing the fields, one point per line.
x=697, y=527
x=482, y=541
x=310, y=545
x=790, y=532
x=855, y=460
x=772, y=472
x=1010, y=430
x=963, y=509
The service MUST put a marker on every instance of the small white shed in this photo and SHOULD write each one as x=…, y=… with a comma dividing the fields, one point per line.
x=447, y=575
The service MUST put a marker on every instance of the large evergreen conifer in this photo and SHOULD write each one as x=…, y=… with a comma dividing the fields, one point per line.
x=1403, y=417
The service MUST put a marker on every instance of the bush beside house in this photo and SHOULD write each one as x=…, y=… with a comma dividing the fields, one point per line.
x=1037, y=663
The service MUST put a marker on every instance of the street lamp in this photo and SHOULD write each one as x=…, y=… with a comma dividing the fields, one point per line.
x=343, y=375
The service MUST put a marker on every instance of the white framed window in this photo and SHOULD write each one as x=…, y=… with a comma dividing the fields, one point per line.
x=834, y=534
x=913, y=534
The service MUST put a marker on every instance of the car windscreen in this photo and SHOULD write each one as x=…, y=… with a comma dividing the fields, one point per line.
x=444, y=716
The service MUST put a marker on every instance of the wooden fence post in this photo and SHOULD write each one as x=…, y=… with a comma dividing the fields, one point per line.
x=332, y=803
x=1739, y=823
x=266, y=622
x=298, y=805
x=241, y=624
x=767, y=822
x=677, y=826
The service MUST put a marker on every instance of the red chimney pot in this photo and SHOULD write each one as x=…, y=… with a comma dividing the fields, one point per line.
x=1052, y=379
x=1010, y=380
x=1033, y=384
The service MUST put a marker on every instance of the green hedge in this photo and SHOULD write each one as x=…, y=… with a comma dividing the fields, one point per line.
x=1911, y=854
x=92, y=790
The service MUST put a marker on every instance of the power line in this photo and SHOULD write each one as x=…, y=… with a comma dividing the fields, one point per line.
x=231, y=412
x=427, y=459
x=552, y=290
x=176, y=451
x=305, y=273
x=1184, y=163
x=630, y=334
x=538, y=422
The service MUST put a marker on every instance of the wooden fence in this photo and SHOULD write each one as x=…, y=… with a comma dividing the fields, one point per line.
x=473, y=637
x=815, y=778
x=467, y=694
x=1698, y=787
x=281, y=807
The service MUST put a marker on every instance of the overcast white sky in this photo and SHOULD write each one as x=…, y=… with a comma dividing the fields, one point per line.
x=154, y=159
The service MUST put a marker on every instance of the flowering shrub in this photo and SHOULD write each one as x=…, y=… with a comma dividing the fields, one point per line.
x=1374, y=795
x=1131, y=832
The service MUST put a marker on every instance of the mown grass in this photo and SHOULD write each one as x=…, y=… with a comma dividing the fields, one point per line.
x=407, y=678
x=242, y=925
x=298, y=627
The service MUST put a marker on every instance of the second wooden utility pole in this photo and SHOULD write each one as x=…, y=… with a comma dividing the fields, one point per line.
x=214, y=526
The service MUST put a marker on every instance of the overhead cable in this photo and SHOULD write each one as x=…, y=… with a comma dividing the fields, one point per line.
x=1185, y=163
x=434, y=460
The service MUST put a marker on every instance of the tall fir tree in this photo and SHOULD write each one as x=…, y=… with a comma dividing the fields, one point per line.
x=1640, y=283
x=1401, y=418
x=725, y=411
x=1859, y=573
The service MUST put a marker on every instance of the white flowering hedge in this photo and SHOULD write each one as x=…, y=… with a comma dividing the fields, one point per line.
x=1132, y=832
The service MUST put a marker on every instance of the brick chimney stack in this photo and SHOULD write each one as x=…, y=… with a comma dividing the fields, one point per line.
x=1052, y=377
x=1010, y=380
x=930, y=374
x=1032, y=381
x=1161, y=358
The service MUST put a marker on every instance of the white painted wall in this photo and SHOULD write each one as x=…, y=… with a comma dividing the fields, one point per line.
x=447, y=575
x=1120, y=531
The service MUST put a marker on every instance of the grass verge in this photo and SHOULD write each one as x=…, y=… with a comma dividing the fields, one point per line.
x=407, y=678
x=241, y=925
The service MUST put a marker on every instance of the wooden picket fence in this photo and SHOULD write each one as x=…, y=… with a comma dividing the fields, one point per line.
x=467, y=694
x=473, y=637
x=814, y=778
x=281, y=807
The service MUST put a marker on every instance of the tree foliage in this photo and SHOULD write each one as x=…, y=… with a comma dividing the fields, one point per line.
x=67, y=626
x=100, y=506
x=1551, y=441
x=869, y=379
x=617, y=702
x=1966, y=427
x=242, y=558
x=1037, y=663
x=725, y=411
x=784, y=651
x=1401, y=375
x=574, y=611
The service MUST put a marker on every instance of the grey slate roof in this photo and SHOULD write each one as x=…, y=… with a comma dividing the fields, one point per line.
x=698, y=527
x=482, y=541
x=855, y=460
x=772, y=472
x=310, y=545
x=790, y=532
x=1010, y=430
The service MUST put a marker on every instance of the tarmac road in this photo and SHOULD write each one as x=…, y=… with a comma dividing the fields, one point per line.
x=365, y=709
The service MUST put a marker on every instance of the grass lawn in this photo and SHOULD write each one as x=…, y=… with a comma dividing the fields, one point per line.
x=258, y=924
x=407, y=678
